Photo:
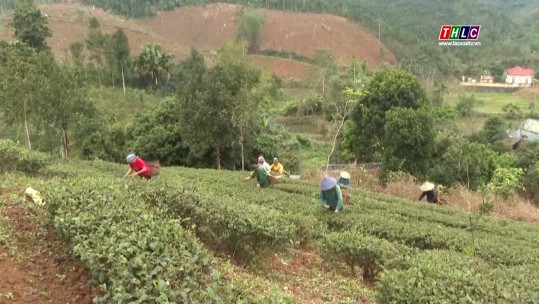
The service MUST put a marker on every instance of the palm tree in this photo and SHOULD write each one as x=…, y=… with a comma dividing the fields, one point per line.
x=152, y=63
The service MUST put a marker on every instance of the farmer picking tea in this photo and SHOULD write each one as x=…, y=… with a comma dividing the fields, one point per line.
x=277, y=168
x=262, y=162
x=330, y=194
x=344, y=183
x=262, y=176
x=429, y=190
x=138, y=166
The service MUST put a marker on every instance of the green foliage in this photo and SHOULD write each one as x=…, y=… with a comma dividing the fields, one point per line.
x=467, y=104
x=386, y=90
x=408, y=141
x=64, y=101
x=494, y=129
x=118, y=55
x=114, y=224
x=467, y=163
x=95, y=43
x=134, y=252
x=36, y=89
x=409, y=29
x=152, y=65
x=527, y=158
x=255, y=230
x=250, y=28
x=76, y=48
x=14, y=157
x=218, y=106
x=311, y=105
x=30, y=26
x=369, y=253
x=437, y=276
x=19, y=75
x=512, y=111
x=157, y=134
x=284, y=54
x=505, y=181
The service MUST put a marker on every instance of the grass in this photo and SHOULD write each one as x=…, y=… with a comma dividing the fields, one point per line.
x=121, y=105
x=299, y=93
x=472, y=125
x=315, y=156
x=493, y=103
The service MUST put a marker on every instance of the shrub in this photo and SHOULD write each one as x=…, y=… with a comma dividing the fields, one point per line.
x=14, y=157
x=138, y=254
x=370, y=253
x=446, y=277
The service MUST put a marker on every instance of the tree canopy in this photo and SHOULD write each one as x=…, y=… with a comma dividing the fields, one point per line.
x=30, y=26
x=387, y=89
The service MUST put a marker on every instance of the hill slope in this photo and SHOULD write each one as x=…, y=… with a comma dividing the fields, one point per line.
x=405, y=251
x=210, y=27
x=410, y=28
x=69, y=23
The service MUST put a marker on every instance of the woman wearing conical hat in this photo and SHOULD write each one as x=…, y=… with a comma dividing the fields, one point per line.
x=344, y=180
x=429, y=190
x=344, y=183
x=330, y=194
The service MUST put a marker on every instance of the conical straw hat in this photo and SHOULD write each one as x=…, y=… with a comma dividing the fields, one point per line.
x=345, y=174
x=327, y=183
x=427, y=186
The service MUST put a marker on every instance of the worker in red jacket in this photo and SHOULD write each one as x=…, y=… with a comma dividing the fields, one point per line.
x=138, y=166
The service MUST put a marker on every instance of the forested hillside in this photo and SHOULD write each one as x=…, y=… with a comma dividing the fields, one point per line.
x=509, y=29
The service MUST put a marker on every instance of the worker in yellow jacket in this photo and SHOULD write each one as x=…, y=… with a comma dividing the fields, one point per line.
x=277, y=168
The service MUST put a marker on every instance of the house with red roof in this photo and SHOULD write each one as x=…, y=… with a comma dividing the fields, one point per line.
x=519, y=75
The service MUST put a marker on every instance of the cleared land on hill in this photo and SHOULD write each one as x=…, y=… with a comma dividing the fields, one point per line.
x=210, y=27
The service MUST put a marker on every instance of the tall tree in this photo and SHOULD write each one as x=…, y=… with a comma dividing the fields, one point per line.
x=153, y=64
x=386, y=90
x=408, y=141
x=217, y=107
x=76, y=49
x=325, y=66
x=30, y=26
x=63, y=100
x=250, y=29
x=20, y=82
x=118, y=55
x=254, y=95
x=95, y=43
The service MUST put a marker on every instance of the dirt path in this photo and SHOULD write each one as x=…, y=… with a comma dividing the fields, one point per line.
x=314, y=281
x=36, y=265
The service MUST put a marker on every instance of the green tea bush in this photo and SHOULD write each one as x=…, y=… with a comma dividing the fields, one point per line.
x=14, y=157
x=448, y=277
x=135, y=253
x=369, y=253
x=243, y=229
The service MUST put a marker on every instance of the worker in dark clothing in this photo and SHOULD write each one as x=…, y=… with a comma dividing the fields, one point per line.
x=262, y=176
x=429, y=190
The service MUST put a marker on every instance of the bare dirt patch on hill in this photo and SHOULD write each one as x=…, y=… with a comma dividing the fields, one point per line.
x=69, y=23
x=36, y=264
x=210, y=26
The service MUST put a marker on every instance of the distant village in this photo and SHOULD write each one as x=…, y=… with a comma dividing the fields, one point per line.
x=513, y=77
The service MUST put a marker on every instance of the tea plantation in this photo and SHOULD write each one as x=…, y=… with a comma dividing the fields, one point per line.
x=165, y=240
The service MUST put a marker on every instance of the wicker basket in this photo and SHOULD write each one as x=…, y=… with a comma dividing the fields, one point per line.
x=275, y=179
x=155, y=167
x=345, y=196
